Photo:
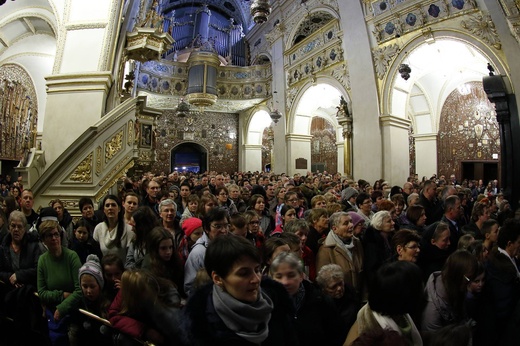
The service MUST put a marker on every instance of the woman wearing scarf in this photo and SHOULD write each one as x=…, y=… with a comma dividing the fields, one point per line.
x=238, y=307
x=341, y=248
x=317, y=320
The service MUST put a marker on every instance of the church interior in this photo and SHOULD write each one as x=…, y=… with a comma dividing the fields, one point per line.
x=90, y=90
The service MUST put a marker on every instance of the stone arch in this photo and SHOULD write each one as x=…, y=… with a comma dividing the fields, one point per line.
x=298, y=25
x=256, y=124
x=189, y=154
x=396, y=92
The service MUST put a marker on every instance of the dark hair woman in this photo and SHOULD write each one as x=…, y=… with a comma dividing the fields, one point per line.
x=144, y=220
x=238, y=307
x=114, y=235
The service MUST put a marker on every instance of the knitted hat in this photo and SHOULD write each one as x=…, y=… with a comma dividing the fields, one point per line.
x=349, y=192
x=93, y=267
x=175, y=188
x=190, y=225
x=356, y=218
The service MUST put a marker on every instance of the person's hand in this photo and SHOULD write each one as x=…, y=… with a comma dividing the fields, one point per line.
x=57, y=315
x=12, y=279
x=117, y=284
x=66, y=295
x=154, y=336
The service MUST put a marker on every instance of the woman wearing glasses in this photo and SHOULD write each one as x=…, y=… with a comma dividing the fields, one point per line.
x=58, y=280
x=224, y=201
x=405, y=244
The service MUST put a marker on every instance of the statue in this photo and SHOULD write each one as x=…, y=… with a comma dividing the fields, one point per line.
x=343, y=108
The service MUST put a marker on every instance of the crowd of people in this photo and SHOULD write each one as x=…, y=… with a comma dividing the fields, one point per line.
x=262, y=259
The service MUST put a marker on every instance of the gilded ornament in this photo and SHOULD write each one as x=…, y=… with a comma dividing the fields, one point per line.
x=99, y=152
x=83, y=172
x=113, y=146
x=130, y=128
x=382, y=57
x=483, y=27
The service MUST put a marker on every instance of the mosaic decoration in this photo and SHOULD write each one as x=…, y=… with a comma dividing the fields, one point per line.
x=324, y=151
x=468, y=129
x=18, y=113
x=217, y=132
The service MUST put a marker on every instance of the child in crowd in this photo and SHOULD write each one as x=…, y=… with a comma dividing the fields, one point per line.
x=191, y=211
x=91, y=331
x=238, y=225
x=83, y=243
x=162, y=260
x=146, y=308
x=192, y=228
x=113, y=269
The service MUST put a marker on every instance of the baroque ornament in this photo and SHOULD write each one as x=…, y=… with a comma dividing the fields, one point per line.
x=382, y=57
x=113, y=146
x=83, y=172
x=483, y=27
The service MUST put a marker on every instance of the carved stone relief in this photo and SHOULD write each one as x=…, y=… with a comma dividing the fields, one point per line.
x=482, y=26
x=113, y=146
x=83, y=172
x=382, y=58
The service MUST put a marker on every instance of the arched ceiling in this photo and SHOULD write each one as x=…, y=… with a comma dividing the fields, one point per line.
x=21, y=20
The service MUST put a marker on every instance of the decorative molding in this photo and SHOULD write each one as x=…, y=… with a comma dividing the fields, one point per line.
x=131, y=135
x=482, y=26
x=85, y=26
x=277, y=32
x=114, y=175
x=341, y=74
x=72, y=82
x=393, y=121
x=382, y=57
x=99, y=161
x=511, y=9
x=83, y=172
x=114, y=145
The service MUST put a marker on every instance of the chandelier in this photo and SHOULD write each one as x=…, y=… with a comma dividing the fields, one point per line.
x=260, y=11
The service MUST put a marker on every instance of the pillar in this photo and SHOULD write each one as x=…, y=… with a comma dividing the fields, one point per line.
x=252, y=157
x=396, y=151
x=426, y=163
x=298, y=147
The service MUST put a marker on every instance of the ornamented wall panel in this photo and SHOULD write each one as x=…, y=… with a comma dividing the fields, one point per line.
x=468, y=129
x=324, y=151
x=217, y=132
x=18, y=113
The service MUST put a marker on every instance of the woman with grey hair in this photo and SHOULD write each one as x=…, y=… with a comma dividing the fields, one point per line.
x=331, y=281
x=316, y=319
x=376, y=243
x=341, y=248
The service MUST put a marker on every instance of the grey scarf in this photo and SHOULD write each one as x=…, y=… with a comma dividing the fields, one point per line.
x=249, y=321
x=342, y=244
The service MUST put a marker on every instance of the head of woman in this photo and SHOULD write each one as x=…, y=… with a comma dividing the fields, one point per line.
x=16, y=225
x=416, y=215
x=397, y=289
x=50, y=233
x=144, y=221
x=287, y=269
x=459, y=270
x=476, y=284
x=319, y=219
x=58, y=205
x=10, y=205
x=257, y=203
x=441, y=236
x=398, y=201
x=280, y=194
x=358, y=222
x=111, y=209
x=299, y=227
x=406, y=244
x=288, y=213
x=382, y=221
x=16, y=191
x=388, y=206
x=272, y=248
x=137, y=286
x=113, y=268
x=233, y=264
x=222, y=195
x=192, y=228
x=331, y=280
x=252, y=221
x=160, y=244
x=234, y=192
x=341, y=224
x=318, y=201
x=193, y=203
x=207, y=202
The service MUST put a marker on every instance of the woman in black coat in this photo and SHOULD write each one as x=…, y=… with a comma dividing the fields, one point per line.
x=237, y=308
x=377, y=247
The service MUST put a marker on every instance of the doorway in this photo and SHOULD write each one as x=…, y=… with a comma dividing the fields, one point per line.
x=475, y=170
x=189, y=157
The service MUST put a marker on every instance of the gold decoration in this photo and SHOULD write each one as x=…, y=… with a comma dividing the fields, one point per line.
x=483, y=27
x=145, y=155
x=99, y=150
x=113, y=146
x=83, y=172
x=116, y=174
x=130, y=138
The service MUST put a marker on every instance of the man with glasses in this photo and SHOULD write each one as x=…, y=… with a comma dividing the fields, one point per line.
x=215, y=223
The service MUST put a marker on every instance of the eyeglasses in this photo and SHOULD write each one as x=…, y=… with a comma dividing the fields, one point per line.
x=220, y=227
x=52, y=235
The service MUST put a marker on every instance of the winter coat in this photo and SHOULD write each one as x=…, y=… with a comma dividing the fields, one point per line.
x=330, y=252
x=438, y=312
x=29, y=254
x=203, y=326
